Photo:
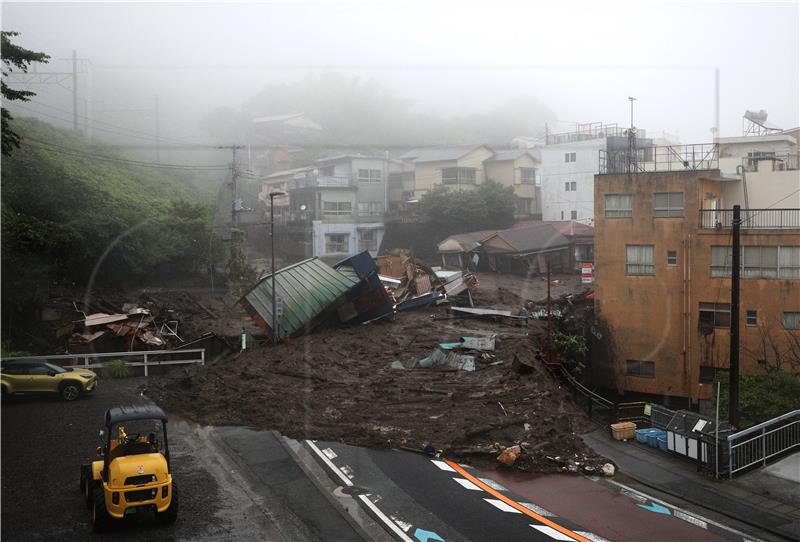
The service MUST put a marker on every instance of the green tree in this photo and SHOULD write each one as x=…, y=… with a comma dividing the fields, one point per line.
x=761, y=396
x=14, y=58
x=489, y=207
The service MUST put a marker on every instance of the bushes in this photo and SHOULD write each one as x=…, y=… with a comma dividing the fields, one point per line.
x=117, y=368
x=761, y=396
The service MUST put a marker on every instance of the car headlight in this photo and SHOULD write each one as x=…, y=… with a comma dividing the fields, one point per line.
x=87, y=376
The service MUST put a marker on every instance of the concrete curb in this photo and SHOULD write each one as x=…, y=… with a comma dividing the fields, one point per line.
x=326, y=486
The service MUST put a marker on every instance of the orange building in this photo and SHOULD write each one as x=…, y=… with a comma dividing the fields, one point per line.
x=662, y=273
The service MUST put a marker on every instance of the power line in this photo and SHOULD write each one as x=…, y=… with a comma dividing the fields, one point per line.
x=93, y=121
x=81, y=154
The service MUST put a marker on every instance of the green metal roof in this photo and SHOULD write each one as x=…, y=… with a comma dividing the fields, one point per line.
x=307, y=289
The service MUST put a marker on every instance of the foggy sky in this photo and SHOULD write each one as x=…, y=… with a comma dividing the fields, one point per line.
x=582, y=60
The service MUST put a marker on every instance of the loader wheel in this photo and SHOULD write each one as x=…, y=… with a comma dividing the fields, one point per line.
x=168, y=516
x=101, y=521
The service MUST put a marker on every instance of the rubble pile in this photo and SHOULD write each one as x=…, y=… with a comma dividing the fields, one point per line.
x=471, y=387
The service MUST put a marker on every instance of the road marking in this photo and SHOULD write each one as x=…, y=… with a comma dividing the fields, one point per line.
x=538, y=509
x=467, y=484
x=515, y=504
x=552, y=533
x=492, y=484
x=385, y=519
x=680, y=513
x=655, y=507
x=505, y=507
x=330, y=453
x=330, y=465
x=423, y=536
x=442, y=465
x=591, y=536
x=402, y=524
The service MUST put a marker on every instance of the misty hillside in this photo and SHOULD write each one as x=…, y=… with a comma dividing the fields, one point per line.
x=68, y=207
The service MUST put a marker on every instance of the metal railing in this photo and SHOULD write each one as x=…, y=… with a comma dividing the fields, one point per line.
x=593, y=130
x=785, y=161
x=757, y=444
x=147, y=358
x=752, y=219
x=325, y=181
x=700, y=156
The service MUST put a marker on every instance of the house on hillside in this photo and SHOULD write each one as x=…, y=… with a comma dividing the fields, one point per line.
x=518, y=168
x=581, y=238
x=459, y=168
x=334, y=209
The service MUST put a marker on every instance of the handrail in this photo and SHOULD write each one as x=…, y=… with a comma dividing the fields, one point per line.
x=764, y=425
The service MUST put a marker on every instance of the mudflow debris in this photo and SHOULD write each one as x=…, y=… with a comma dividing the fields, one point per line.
x=471, y=387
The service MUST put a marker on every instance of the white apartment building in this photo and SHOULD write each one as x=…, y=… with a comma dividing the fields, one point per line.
x=569, y=162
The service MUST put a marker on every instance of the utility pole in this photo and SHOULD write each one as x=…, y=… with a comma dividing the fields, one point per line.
x=74, y=90
x=235, y=206
x=733, y=394
x=632, y=141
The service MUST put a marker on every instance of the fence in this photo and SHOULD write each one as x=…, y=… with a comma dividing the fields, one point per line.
x=700, y=156
x=146, y=356
x=755, y=445
x=751, y=219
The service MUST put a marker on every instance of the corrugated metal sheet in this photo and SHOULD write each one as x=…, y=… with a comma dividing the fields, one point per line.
x=307, y=288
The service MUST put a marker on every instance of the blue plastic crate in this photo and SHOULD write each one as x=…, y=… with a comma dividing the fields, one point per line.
x=662, y=441
x=653, y=436
x=641, y=434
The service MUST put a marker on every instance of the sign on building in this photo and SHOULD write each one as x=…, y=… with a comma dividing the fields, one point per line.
x=587, y=273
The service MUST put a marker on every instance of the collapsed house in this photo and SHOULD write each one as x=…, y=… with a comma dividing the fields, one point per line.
x=355, y=290
x=527, y=248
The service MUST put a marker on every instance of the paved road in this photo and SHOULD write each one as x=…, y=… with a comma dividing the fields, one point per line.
x=431, y=500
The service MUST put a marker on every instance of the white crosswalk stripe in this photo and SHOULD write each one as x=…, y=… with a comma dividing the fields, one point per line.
x=502, y=506
x=467, y=484
x=442, y=465
x=552, y=533
x=538, y=509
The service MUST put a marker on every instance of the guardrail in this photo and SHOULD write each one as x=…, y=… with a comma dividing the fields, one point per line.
x=147, y=358
x=763, y=441
x=751, y=219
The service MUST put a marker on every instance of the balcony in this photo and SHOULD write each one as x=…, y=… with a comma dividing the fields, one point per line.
x=320, y=181
x=751, y=219
x=693, y=157
x=592, y=130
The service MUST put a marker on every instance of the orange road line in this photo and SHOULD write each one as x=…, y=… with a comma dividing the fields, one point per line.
x=515, y=504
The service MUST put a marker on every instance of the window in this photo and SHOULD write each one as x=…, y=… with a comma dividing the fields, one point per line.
x=458, y=175
x=336, y=242
x=570, y=186
x=527, y=175
x=16, y=368
x=758, y=262
x=639, y=260
x=714, y=314
x=672, y=258
x=707, y=374
x=791, y=320
x=721, y=261
x=569, y=157
x=643, y=369
x=370, y=175
x=666, y=204
x=337, y=208
x=39, y=369
x=789, y=262
x=562, y=215
x=370, y=208
x=326, y=171
x=573, y=215
x=618, y=206
x=566, y=187
x=751, y=317
x=367, y=240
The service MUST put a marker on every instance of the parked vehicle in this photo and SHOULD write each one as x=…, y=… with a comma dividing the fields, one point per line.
x=28, y=376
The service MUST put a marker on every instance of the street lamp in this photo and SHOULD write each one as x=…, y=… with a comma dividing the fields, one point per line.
x=272, y=196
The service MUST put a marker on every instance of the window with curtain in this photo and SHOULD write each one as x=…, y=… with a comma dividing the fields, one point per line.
x=791, y=320
x=639, y=260
x=618, y=206
x=668, y=204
